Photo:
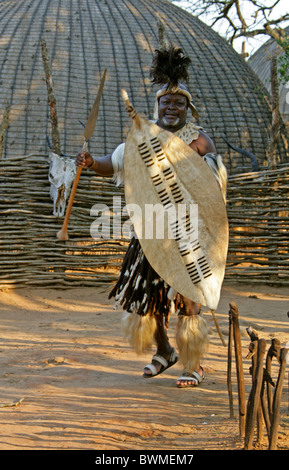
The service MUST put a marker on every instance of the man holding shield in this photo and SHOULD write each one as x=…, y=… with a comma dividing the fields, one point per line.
x=145, y=296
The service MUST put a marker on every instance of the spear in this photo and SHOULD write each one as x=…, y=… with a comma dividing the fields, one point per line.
x=88, y=131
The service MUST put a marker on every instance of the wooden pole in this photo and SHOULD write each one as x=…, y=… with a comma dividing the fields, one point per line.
x=229, y=368
x=253, y=348
x=51, y=99
x=274, y=351
x=275, y=131
x=255, y=396
x=277, y=401
x=234, y=313
x=264, y=403
x=3, y=128
x=260, y=420
x=218, y=328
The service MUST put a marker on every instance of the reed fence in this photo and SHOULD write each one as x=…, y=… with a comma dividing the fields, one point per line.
x=31, y=255
x=258, y=212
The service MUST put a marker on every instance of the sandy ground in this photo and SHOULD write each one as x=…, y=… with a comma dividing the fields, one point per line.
x=68, y=381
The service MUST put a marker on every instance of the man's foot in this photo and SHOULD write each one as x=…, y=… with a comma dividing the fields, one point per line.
x=160, y=363
x=190, y=380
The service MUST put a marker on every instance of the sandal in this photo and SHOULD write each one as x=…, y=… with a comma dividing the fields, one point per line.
x=194, y=377
x=165, y=364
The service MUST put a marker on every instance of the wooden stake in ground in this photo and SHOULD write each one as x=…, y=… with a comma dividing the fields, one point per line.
x=234, y=315
x=254, y=404
x=229, y=368
x=253, y=349
x=274, y=351
x=277, y=401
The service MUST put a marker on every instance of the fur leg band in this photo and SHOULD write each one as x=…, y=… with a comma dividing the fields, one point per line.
x=192, y=340
x=139, y=331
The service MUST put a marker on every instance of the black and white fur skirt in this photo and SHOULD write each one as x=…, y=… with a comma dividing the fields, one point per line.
x=139, y=289
x=143, y=296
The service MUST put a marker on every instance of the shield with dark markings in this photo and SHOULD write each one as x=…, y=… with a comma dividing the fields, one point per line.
x=166, y=180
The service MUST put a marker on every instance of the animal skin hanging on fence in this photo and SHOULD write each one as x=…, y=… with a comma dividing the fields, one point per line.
x=61, y=176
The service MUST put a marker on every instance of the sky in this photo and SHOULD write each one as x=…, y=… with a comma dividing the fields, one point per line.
x=251, y=44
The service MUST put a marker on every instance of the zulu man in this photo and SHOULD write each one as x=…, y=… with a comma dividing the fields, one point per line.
x=146, y=288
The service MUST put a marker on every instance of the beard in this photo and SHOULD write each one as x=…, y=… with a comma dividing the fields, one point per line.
x=169, y=123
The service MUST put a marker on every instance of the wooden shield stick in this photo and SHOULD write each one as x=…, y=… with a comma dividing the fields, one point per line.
x=88, y=131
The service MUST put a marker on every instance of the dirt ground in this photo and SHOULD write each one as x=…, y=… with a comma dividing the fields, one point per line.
x=68, y=380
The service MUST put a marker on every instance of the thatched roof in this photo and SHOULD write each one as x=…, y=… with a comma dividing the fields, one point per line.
x=260, y=63
x=83, y=38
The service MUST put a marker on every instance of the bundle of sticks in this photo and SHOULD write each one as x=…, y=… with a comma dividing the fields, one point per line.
x=259, y=409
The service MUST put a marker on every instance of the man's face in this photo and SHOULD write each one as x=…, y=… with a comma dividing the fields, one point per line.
x=173, y=110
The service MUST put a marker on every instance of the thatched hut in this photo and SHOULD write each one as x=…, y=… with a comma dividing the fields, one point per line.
x=260, y=62
x=85, y=37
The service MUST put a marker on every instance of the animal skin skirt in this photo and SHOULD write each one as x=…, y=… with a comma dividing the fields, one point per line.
x=139, y=288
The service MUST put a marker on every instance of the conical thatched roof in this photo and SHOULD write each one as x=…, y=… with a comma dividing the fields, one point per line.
x=260, y=63
x=83, y=38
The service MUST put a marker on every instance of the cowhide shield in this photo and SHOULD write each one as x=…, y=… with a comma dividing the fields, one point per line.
x=164, y=173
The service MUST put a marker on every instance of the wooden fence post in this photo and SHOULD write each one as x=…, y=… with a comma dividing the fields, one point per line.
x=254, y=404
x=234, y=313
x=274, y=351
x=277, y=401
x=229, y=368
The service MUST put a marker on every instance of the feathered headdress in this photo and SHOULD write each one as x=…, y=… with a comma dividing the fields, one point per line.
x=170, y=68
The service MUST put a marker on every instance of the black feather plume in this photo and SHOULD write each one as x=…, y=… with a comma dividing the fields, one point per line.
x=169, y=66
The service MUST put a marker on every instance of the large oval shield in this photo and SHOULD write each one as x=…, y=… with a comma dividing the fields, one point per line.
x=178, y=212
